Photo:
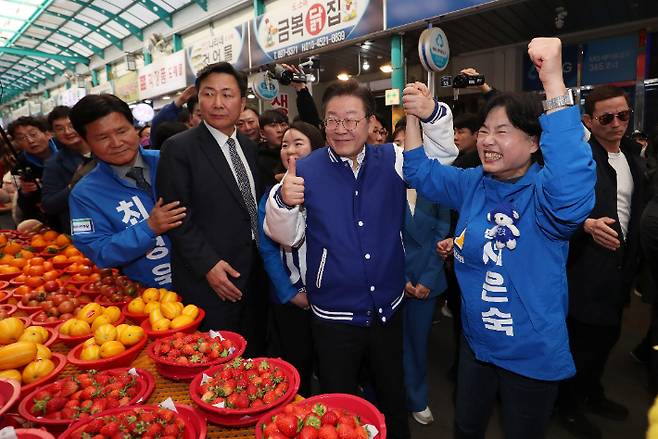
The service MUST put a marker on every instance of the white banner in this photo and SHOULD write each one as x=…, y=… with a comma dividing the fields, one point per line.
x=71, y=96
x=47, y=105
x=225, y=44
x=105, y=87
x=163, y=76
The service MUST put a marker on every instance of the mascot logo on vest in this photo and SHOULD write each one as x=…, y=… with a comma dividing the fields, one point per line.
x=502, y=235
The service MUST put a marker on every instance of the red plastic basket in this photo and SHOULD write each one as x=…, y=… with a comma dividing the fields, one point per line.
x=146, y=326
x=9, y=276
x=367, y=412
x=175, y=371
x=3, y=284
x=250, y=416
x=46, y=324
x=60, y=362
x=121, y=360
x=9, y=309
x=10, y=390
x=137, y=318
x=33, y=433
x=5, y=295
x=192, y=420
x=145, y=383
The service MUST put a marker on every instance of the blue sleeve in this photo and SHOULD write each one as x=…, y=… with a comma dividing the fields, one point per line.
x=54, y=188
x=168, y=113
x=270, y=251
x=103, y=245
x=565, y=193
x=434, y=181
x=433, y=276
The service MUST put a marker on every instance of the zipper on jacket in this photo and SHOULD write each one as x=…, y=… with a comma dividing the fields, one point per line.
x=323, y=261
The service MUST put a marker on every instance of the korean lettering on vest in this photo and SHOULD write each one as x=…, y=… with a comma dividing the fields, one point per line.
x=133, y=212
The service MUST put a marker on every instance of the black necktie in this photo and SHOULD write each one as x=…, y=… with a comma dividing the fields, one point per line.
x=137, y=174
x=243, y=185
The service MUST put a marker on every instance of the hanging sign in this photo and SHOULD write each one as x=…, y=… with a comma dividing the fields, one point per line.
x=264, y=87
x=433, y=49
x=163, y=76
x=227, y=44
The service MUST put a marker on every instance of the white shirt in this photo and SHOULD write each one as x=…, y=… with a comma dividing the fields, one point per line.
x=359, y=161
x=624, y=188
x=221, y=139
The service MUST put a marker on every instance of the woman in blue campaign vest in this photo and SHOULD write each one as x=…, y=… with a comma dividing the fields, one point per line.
x=286, y=268
x=511, y=246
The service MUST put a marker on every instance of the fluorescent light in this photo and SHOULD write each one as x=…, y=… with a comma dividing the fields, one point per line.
x=251, y=96
x=386, y=68
x=366, y=65
x=343, y=76
x=165, y=98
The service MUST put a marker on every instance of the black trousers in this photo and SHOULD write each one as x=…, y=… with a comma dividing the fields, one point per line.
x=590, y=346
x=526, y=402
x=293, y=327
x=341, y=351
x=248, y=316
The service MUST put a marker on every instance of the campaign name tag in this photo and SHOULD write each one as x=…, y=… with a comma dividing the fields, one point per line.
x=82, y=225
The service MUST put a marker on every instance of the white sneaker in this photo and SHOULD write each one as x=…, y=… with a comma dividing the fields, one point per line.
x=425, y=417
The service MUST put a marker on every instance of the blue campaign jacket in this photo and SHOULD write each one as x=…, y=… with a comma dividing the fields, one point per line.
x=354, y=252
x=284, y=266
x=108, y=224
x=429, y=223
x=511, y=245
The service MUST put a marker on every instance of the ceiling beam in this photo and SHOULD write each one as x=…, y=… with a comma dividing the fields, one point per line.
x=159, y=11
x=61, y=48
x=38, y=54
x=203, y=4
x=96, y=49
x=134, y=30
x=29, y=22
x=114, y=40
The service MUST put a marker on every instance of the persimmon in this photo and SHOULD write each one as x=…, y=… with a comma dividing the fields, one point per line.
x=25, y=254
x=50, y=235
x=38, y=242
x=59, y=259
x=50, y=275
x=35, y=270
x=34, y=281
x=71, y=251
x=22, y=290
x=18, y=263
x=6, y=259
x=37, y=260
x=62, y=240
x=48, y=266
x=75, y=258
x=12, y=248
x=3, y=239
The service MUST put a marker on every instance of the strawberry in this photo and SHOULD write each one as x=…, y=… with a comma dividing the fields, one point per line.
x=361, y=432
x=171, y=430
x=269, y=397
x=345, y=431
x=110, y=429
x=309, y=432
x=55, y=404
x=327, y=432
x=154, y=429
x=88, y=392
x=98, y=406
x=313, y=421
x=257, y=403
x=231, y=401
x=242, y=401
x=69, y=387
x=330, y=418
x=288, y=424
x=270, y=429
x=348, y=420
x=188, y=350
x=319, y=410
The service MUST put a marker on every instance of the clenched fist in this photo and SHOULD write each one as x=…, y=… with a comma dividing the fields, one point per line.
x=292, y=189
x=546, y=55
x=417, y=100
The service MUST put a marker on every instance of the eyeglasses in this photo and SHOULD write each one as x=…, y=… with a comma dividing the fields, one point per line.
x=59, y=129
x=382, y=132
x=348, y=124
x=33, y=135
x=607, y=118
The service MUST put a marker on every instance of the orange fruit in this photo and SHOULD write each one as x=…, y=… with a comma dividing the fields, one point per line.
x=20, y=278
x=59, y=259
x=62, y=240
x=35, y=270
x=3, y=239
x=6, y=259
x=48, y=266
x=38, y=242
x=25, y=254
x=71, y=251
x=75, y=258
x=50, y=275
x=37, y=261
x=12, y=248
x=34, y=281
x=50, y=235
x=22, y=290
x=11, y=270
x=18, y=263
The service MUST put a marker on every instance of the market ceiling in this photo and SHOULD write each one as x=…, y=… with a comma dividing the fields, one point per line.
x=42, y=39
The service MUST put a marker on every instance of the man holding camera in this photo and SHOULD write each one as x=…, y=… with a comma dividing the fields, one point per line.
x=32, y=137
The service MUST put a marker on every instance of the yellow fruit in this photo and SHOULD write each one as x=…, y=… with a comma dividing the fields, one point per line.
x=65, y=329
x=151, y=295
x=11, y=374
x=155, y=315
x=170, y=310
x=10, y=330
x=162, y=292
x=100, y=321
x=111, y=349
x=89, y=312
x=31, y=335
x=91, y=352
x=151, y=306
x=180, y=306
x=131, y=335
x=89, y=342
x=79, y=327
x=43, y=352
x=104, y=333
x=113, y=312
x=180, y=321
x=161, y=325
x=191, y=310
x=37, y=370
x=168, y=297
x=136, y=306
x=122, y=327
x=45, y=335
x=17, y=354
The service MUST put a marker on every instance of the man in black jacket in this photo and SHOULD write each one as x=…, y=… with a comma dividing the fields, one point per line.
x=602, y=260
x=59, y=170
x=212, y=169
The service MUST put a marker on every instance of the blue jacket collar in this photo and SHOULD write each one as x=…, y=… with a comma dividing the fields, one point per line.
x=36, y=160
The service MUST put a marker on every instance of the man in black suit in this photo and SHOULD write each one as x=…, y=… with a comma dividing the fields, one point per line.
x=212, y=170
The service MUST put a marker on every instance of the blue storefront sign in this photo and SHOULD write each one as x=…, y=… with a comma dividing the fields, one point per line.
x=531, y=80
x=400, y=12
x=610, y=60
x=306, y=26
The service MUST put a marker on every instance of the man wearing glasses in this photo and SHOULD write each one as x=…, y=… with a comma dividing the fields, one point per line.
x=273, y=123
x=347, y=201
x=59, y=170
x=34, y=140
x=377, y=132
x=601, y=262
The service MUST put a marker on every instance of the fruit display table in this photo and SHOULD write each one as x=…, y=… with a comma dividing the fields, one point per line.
x=165, y=388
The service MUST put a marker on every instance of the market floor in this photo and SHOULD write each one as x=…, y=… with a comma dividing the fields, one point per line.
x=624, y=381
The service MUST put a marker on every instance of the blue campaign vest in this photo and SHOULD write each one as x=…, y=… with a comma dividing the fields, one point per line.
x=355, y=257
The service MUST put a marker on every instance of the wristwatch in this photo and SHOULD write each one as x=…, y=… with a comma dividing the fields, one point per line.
x=559, y=101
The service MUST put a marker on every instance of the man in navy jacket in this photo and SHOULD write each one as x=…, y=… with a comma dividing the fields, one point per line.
x=347, y=201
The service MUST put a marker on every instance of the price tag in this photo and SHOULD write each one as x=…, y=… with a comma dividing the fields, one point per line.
x=215, y=334
x=133, y=372
x=372, y=430
x=168, y=404
x=205, y=378
x=8, y=433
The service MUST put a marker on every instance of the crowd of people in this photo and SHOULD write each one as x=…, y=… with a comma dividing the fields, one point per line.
x=331, y=240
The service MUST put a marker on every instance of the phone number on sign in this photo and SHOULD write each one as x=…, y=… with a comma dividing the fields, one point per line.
x=306, y=46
